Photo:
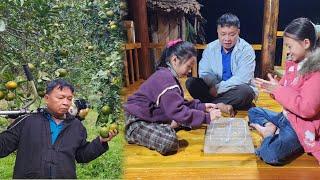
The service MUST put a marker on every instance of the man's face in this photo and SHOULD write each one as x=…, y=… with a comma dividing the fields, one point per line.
x=59, y=100
x=228, y=36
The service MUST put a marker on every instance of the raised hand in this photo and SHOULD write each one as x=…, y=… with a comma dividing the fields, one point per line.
x=267, y=86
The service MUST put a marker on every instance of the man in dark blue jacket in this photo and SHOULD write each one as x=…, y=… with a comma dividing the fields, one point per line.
x=49, y=142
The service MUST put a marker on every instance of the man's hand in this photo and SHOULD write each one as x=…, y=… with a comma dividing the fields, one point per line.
x=112, y=134
x=210, y=106
x=267, y=86
x=213, y=92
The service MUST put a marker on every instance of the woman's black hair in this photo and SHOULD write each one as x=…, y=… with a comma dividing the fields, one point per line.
x=183, y=50
x=301, y=29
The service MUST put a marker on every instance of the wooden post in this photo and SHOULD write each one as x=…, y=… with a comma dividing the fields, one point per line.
x=270, y=25
x=139, y=12
x=129, y=26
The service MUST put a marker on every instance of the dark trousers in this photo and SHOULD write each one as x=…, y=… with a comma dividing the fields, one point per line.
x=239, y=97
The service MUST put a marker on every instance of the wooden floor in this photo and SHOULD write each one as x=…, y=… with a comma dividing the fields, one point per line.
x=191, y=163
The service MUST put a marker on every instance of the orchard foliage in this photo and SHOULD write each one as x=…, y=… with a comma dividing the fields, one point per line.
x=79, y=40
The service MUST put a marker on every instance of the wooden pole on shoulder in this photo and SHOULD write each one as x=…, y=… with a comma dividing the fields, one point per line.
x=270, y=25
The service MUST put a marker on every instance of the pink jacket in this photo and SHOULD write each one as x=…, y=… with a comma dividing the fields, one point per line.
x=299, y=94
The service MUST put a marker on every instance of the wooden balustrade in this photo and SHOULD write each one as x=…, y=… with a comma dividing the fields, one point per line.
x=131, y=63
x=131, y=58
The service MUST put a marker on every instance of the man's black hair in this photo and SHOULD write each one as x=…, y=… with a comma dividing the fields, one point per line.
x=60, y=83
x=228, y=20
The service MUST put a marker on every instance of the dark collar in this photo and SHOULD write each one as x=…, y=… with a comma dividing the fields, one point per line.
x=47, y=113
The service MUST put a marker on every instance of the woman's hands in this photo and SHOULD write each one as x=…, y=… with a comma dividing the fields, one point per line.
x=210, y=106
x=214, y=114
x=213, y=110
x=267, y=86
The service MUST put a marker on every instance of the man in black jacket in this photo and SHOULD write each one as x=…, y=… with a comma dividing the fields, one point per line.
x=49, y=142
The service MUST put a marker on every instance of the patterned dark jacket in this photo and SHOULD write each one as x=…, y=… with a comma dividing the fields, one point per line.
x=37, y=157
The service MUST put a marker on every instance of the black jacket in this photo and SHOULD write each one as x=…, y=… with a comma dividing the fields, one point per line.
x=37, y=158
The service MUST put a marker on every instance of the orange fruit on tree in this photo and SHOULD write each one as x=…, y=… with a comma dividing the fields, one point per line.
x=10, y=96
x=113, y=27
x=106, y=109
x=2, y=95
x=112, y=23
x=64, y=52
x=90, y=48
x=11, y=85
x=31, y=66
x=123, y=5
x=61, y=72
x=110, y=13
x=83, y=112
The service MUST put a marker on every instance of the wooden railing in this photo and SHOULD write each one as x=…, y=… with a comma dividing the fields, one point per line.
x=132, y=63
x=131, y=59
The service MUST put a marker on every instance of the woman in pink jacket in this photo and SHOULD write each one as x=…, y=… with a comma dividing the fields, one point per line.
x=297, y=128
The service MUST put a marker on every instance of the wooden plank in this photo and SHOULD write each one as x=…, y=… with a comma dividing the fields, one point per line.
x=157, y=45
x=200, y=46
x=174, y=28
x=131, y=66
x=223, y=173
x=136, y=64
x=163, y=28
x=194, y=70
x=280, y=33
x=256, y=47
x=130, y=46
x=191, y=163
x=126, y=74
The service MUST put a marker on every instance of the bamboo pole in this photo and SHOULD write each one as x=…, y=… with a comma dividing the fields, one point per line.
x=270, y=25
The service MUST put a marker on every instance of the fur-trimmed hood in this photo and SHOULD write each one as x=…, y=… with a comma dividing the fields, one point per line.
x=312, y=64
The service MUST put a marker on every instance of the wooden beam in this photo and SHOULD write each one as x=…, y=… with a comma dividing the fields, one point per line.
x=129, y=46
x=139, y=12
x=270, y=25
